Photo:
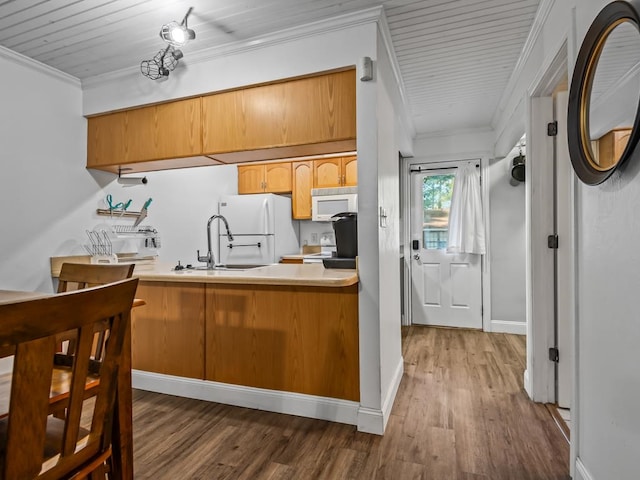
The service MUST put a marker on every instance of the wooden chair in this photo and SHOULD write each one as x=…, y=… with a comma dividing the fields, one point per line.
x=34, y=444
x=76, y=276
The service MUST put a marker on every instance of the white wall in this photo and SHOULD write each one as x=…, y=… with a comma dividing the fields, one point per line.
x=388, y=230
x=605, y=422
x=46, y=192
x=507, y=248
x=183, y=200
x=608, y=282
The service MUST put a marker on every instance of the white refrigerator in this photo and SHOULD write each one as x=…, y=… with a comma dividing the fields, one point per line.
x=261, y=226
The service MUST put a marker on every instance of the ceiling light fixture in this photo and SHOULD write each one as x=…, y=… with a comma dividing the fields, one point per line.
x=177, y=34
x=161, y=64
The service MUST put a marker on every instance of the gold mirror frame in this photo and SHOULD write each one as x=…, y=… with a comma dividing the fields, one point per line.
x=585, y=166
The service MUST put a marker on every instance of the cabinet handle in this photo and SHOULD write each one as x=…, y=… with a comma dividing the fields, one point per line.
x=344, y=179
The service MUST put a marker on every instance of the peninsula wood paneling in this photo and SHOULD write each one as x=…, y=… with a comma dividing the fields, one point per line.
x=304, y=111
x=168, y=332
x=295, y=339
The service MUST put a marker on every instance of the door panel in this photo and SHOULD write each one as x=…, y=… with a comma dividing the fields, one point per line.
x=431, y=282
x=460, y=278
x=446, y=288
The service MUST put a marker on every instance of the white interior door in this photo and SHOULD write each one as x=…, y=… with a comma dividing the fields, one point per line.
x=564, y=377
x=446, y=288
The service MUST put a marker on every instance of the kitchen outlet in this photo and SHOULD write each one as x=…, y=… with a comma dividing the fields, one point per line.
x=314, y=239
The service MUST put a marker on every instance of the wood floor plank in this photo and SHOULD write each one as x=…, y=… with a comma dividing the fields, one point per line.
x=461, y=414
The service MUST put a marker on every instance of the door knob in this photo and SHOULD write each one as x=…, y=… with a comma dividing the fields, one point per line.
x=416, y=256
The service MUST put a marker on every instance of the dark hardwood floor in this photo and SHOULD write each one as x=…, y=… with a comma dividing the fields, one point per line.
x=460, y=414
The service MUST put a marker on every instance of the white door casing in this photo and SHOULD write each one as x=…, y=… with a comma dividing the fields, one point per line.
x=446, y=288
x=564, y=343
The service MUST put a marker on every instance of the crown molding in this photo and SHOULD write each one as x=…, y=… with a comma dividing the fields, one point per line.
x=385, y=33
x=37, y=66
x=544, y=9
x=361, y=17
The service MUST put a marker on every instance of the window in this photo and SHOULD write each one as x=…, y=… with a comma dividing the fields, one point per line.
x=436, y=202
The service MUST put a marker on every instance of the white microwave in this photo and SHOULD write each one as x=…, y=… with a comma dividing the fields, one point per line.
x=326, y=202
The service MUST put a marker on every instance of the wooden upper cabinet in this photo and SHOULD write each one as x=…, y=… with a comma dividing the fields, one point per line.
x=264, y=178
x=302, y=182
x=165, y=131
x=350, y=171
x=106, y=139
x=327, y=173
x=277, y=177
x=335, y=172
x=250, y=179
x=301, y=117
x=305, y=111
x=168, y=130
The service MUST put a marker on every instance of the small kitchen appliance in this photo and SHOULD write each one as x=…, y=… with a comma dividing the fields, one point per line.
x=345, y=226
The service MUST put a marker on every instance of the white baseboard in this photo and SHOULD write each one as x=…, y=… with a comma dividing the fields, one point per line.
x=508, y=326
x=371, y=420
x=581, y=471
x=527, y=383
x=311, y=406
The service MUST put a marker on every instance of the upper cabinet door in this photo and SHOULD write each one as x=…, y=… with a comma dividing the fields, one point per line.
x=250, y=179
x=327, y=172
x=310, y=110
x=350, y=171
x=302, y=179
x=106, y=139
x=277, y=177
x=164, y=131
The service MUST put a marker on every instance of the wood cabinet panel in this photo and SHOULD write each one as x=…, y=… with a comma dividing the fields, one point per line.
x=297, y=112
x=296, y=339
x=168, y=332
x=335, y=172
x=350, y=171
x=167, y=130
x=106, y=139
x=327, y=172
x=302, y=183
x=250, y=179
x=277, y=177
x=264, y=178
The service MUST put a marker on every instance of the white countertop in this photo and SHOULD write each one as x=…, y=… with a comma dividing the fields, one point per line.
x=277, y=274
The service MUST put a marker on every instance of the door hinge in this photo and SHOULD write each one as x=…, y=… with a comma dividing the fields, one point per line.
x=552, y=241
x=554, y=355
x=552, y=129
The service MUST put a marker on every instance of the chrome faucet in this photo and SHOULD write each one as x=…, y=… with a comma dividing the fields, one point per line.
x=209, y=257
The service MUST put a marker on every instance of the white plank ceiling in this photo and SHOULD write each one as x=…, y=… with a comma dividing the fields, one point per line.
x=455, y=56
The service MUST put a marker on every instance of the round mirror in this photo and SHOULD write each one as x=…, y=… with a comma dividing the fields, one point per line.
x=603, y=117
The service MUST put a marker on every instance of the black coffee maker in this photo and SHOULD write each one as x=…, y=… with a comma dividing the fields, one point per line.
x=345, y=227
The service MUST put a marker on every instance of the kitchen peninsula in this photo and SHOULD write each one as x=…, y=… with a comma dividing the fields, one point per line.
x=281, y=337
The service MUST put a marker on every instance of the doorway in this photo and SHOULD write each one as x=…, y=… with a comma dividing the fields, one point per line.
x=550, y=375
x=446, y=288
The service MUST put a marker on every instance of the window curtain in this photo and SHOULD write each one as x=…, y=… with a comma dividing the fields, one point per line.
x=466, y=225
